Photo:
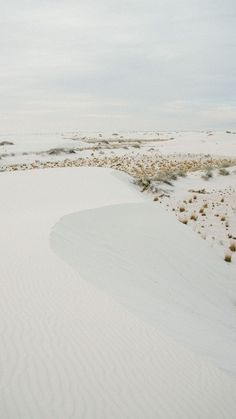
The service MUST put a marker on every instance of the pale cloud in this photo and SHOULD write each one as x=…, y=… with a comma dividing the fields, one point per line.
x=131, y=64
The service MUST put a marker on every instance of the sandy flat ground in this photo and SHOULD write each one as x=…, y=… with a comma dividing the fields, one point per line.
x=28, y=148
x=68, y=348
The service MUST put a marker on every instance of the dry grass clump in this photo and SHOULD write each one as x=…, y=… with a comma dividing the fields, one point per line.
x=226, y=163
x=137, y=166
x=208, y=174
x=165, y=177
x=223, y=172
x=183, y=220
x=148, y=182
x=143, y=182
x=181, y=173
x=228, y=258
x=232, y=246
x=200, y=191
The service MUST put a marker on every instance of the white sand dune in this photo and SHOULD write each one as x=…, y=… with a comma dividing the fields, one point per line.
x=158, y=269
x=67, y=349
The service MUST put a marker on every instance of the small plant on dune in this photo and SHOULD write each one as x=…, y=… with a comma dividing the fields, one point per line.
x=205, y=205
x=222, y=218
x=193, y=217
x=143, y=182
x=222, y=200
x=197, y=191
x=181, y=173
x=223, y=172
x=228, y=258
x=190, y=201
x=232, y=246
x=208, y=174
x=182, y=209
x=226, y=163
x=194, y=197
x=163, y=177
x=183, y=220
x=201, y=211
x=173, y=176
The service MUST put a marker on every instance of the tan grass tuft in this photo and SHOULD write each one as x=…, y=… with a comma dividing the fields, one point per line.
x=228, y=258
x=232, y=246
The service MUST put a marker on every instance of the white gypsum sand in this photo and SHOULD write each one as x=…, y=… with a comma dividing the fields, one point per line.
x=46, y=147
x=158, y=269
x=67, y=349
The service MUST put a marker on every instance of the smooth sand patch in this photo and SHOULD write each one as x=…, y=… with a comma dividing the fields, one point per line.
x=68, y=350
x=159, y=270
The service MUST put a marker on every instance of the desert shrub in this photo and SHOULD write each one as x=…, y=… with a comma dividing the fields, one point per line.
x=173, y=176
x=208, y=174
x=223, y=172
x=181, y=173
x=227, y=163
x=228, y=258
x=143, y=182
x=163, y=177
x=232, y=246
x=183, y=220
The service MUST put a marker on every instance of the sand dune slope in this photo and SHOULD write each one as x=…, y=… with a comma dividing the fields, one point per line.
x=158, y=269
x=67, y=349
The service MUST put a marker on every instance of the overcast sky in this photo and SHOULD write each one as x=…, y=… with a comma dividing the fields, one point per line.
x=117, y=64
